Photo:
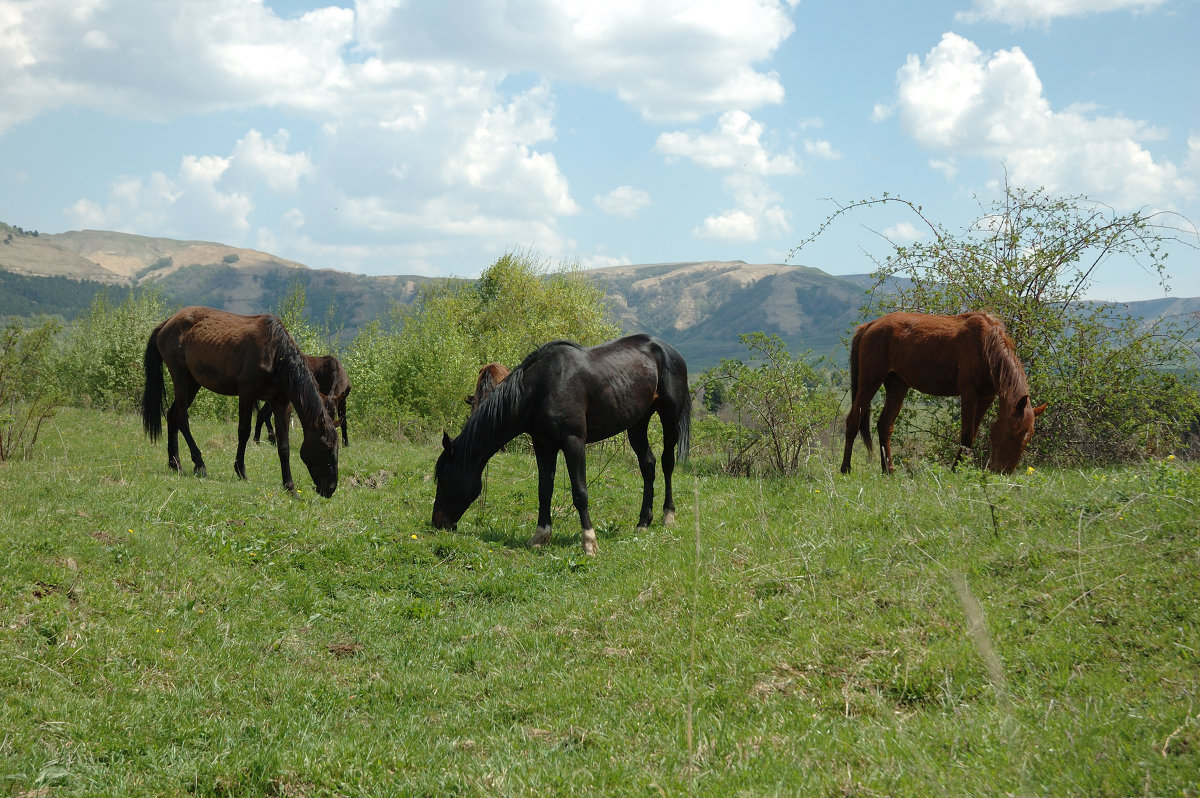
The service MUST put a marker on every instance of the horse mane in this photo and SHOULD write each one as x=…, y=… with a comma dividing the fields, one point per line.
x=497, y=413
x=1008, y=374
x=293, y=371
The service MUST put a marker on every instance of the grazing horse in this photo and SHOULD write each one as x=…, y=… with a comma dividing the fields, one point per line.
x=250, y=357
x=969, y=355
x=566, y=396
x=489, y=377
x=332, y=381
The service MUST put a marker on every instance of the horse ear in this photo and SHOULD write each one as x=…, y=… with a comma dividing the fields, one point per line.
x=1037, y=411
x=470, y=400
x=446, y=442
x=1019, y=407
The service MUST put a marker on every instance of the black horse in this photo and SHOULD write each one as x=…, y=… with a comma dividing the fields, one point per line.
x=250, y=357
x=566, y=396
x=332, y=381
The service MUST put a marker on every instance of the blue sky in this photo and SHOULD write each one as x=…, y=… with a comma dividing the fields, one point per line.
x=426, y=137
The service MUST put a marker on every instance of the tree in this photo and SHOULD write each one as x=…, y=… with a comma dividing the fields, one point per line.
x=100, y=363
x=1118, y=387
x=29, y=393
x=417, y=366
x=781, y=404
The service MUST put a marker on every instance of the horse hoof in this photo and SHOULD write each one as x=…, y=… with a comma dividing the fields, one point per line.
x=669, y=517
x=540, y=537
x=200, y=471
x=589, y=542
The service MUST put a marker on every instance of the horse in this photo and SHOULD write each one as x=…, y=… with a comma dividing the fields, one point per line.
x=565, y=396
x=332, y=381
x=969, y=355
x=489, y=377
x=250, y=357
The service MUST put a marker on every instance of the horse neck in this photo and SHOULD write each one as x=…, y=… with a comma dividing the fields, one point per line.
x=1008, y=375
x=296, y=378
x=495, y=421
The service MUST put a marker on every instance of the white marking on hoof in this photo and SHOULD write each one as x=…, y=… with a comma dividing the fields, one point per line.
x=669, y=517
x=589, y=542
x=643, y=527
x=539, y=537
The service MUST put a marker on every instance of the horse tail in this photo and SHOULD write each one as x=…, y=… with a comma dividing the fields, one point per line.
x=674, y=379
x=864, y=421
x=154, y=395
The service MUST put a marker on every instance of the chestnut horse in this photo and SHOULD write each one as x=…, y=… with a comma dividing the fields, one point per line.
x=969, y=355
x=250, y=357
x=566, y=396
x=332, y=381
x=489, y=377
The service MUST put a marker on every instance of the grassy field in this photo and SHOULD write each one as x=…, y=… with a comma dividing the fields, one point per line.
x=934, y=633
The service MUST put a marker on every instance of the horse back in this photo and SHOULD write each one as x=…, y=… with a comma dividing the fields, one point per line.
x=934, y=354
x=222, y=351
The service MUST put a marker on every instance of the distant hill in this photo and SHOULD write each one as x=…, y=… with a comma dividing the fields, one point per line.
x=700, y=307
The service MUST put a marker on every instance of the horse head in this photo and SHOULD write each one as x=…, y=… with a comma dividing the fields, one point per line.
x=1011, y=433
x=319, y=451
x=457, y=486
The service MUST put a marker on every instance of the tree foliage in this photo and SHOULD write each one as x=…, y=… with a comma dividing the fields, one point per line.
x=100, y=362
x=1118, y=387
x=29, y=392
x=781, y=406
x=414, y=368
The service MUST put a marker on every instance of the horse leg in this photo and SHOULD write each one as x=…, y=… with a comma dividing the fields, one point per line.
x=896, y=390
x=974, y=408
x=858, y=421
x=670, y=426
x=283, y=420
x=640, y=442
x=177, y=421
x=264, y=420
x=341, y=408
x=547, y=462
x=573, y=454
x=246, y=407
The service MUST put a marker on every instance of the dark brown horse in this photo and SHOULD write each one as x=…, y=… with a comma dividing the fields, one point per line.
x=332, y=381
x=250, y=357
x=489, y=377
x=566, y=396
x=969, y=355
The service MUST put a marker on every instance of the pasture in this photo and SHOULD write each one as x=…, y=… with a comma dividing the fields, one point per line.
x=932, y=633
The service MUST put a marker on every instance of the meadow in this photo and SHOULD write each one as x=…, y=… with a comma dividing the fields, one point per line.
x=932, y=633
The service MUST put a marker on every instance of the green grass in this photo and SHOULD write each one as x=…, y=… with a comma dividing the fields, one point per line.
x=934, y=633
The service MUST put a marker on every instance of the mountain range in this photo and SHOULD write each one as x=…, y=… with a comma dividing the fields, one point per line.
x=700, y=307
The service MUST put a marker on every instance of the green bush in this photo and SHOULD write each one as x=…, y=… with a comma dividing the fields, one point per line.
x=29, y=393
x=411, y=371
x=782, y=408
x=100, y=362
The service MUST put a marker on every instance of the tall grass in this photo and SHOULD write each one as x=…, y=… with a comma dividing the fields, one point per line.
x=933, y=633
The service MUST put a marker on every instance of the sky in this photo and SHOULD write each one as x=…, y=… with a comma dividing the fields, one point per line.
x=431, y=137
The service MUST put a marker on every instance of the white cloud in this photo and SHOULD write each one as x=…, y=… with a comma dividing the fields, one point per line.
x=1019, y=13
x=757, y=212
x=673, y=59
x=961, y=101
x=819, y=148
x=736, y=144
x=623, y=201
x=267, y=160
x=903, y=232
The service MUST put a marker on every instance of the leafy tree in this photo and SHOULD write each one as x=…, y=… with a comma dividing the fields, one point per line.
x=420, y=363
x=100, y=363
x=29, y=392
x=782, y=405
x=1118, y=387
